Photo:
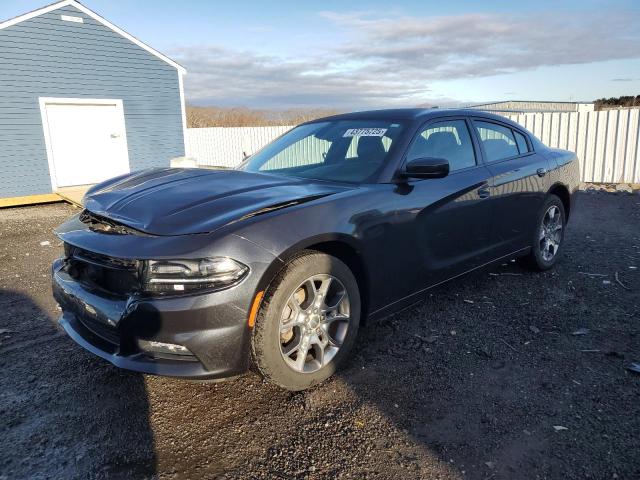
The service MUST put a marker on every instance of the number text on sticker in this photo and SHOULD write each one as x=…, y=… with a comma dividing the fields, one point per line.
x=365, y=132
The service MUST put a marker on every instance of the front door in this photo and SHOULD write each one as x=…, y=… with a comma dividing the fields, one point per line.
x=86, y=141
x=452, y=222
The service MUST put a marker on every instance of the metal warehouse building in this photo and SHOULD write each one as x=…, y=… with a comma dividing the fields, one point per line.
x=528, y=106
x=82, y=101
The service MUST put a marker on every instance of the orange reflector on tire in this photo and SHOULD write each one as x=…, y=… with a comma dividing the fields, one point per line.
x=253, y=313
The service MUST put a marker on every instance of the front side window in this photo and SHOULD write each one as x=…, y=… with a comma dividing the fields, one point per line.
x=498, y=141
x=447, y=139
x=342, y=150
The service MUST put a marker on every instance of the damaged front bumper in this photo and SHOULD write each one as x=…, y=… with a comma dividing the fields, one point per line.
x=201, y=335
x=133, y=333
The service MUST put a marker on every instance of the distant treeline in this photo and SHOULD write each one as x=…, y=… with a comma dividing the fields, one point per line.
x=625, y=101
x=199, y=117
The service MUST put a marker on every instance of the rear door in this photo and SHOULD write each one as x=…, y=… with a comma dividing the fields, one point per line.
x=518, y=183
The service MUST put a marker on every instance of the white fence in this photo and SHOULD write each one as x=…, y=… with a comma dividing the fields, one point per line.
x=607, y=143
x=226, y=147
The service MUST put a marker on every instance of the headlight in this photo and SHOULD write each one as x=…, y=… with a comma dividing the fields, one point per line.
x=174, y=276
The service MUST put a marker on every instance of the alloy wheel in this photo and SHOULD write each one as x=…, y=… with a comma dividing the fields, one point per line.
x=314, y=323
x=550, y=233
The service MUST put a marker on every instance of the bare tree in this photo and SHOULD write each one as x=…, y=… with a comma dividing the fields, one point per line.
x=616, y=102
x=199, y=117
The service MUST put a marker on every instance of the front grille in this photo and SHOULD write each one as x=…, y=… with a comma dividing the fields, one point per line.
x=115, y=276
x=102, y=330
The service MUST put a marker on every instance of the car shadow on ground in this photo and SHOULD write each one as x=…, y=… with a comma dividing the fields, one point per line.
x=66, y=414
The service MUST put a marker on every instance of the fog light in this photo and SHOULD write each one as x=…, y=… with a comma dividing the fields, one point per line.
x=160, y=347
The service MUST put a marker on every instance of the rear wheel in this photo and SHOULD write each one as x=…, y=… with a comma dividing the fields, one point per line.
x=308, y=321
x=547, y=239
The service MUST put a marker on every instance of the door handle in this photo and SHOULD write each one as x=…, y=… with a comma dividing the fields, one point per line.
x=541, y=172
x=484, y=192
x=115, y=135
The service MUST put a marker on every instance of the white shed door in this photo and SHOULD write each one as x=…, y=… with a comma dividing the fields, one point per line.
x=88, y=142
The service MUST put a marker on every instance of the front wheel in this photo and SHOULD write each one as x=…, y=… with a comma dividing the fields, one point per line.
x=308, y=321
x=546, y=243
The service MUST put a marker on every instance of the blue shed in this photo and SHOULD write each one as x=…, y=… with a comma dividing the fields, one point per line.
x=81, y=101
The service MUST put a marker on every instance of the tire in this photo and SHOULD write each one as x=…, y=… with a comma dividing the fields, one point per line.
x=288, y=315
x=538, y=259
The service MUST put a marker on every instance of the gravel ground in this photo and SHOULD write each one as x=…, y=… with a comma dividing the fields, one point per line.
x=481, y=380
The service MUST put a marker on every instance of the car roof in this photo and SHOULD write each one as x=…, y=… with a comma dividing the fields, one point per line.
x=410, y=114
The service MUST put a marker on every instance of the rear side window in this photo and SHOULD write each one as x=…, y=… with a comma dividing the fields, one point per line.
x=498, y=141
x=522, y=142
x=449, y=140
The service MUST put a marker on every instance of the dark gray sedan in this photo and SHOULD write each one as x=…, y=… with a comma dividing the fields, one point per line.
x=203, y=273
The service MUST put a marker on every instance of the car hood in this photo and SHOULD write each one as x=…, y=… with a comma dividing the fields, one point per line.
x=185, y=201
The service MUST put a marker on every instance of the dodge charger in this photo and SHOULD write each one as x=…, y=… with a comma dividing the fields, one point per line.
x=274, y=265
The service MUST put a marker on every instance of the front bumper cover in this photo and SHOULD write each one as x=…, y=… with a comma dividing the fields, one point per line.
x=211, y=325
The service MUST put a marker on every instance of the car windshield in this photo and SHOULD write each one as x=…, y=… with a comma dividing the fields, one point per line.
x=344, y=150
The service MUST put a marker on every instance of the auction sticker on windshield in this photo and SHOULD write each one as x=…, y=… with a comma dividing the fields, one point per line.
x=365, y=132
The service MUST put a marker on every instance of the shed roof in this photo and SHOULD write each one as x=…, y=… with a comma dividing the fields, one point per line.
x=98, y=18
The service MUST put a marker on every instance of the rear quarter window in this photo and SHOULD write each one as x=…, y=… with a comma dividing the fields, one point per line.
x=521, y=141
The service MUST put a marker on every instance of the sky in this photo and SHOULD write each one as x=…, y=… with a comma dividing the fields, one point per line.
x=365, y=54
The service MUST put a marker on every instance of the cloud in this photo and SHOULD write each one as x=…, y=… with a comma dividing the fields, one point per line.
x=478, y=45
x=394, y=60
x=223, y=76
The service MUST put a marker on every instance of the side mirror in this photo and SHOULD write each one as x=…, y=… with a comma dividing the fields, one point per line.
x=426, y=167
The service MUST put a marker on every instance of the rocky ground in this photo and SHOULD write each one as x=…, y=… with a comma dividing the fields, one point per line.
x=504, y=374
